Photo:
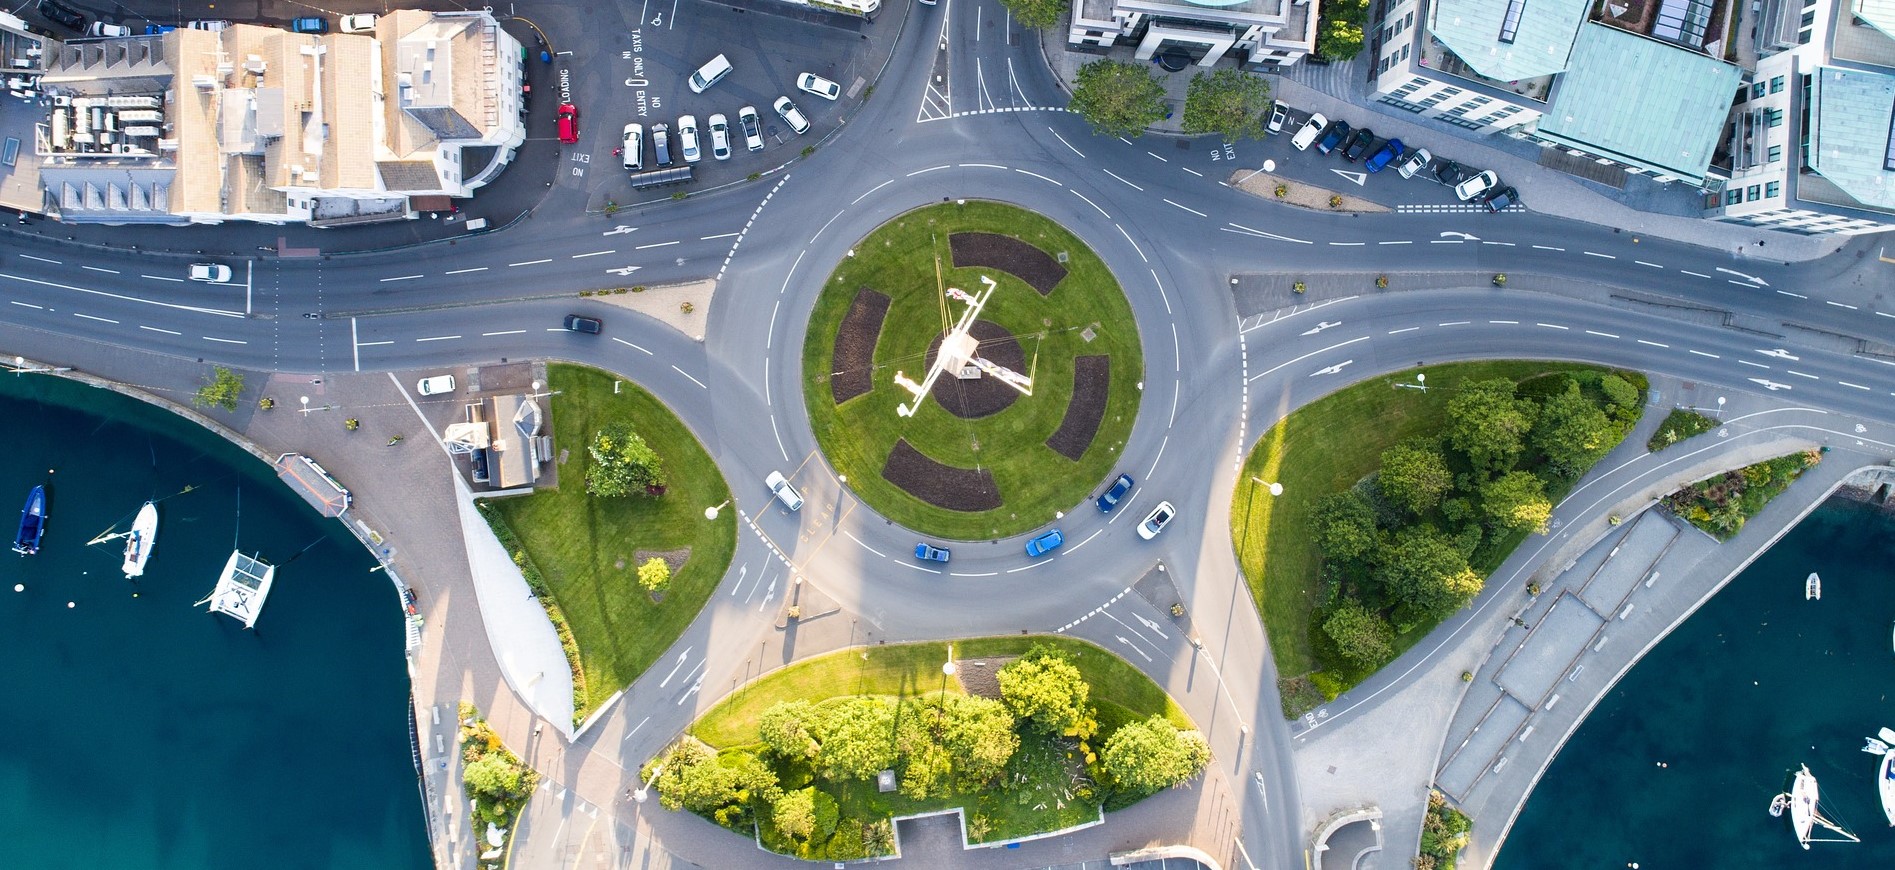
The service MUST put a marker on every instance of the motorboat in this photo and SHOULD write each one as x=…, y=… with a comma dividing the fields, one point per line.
x=32, y=523
x=1812, y=587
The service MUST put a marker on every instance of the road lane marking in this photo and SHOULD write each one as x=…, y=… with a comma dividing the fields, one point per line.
x=1552, y=326
x=654, y=245
x=1039, y=176
x=872, y=190
x=1189, y=209
x=1548, y=248
x=1192, y=171
x=373, y=343
x=1444, y=241
x=1095, y=533
x=41, y=259
x=1840, y=305
x=976, y=166
x=904, y=562
x=217, y=311
x=28, y=305
x=1694, y=274
x=716, y=237
x=1160, y=159
x=530, y=263
x=1599, y=255
x=506, y=332
x=1133, y=186
x=1757, y=364
x=439, y=338
x=1135, y=247
x=223, y=340
x=1506, y=322
x=1600, y=334
x=1455, y=323
x=1801, y=375
x=1783, y=292
x=1856, y=386
x=1348, y=244
x=101, y=269
x=1307, y=356
x=688, y=375
x=1031, y=565
x=593, y=254
x=1062, y=141
x=1643, y=263
x=1402, y=242
x=1883, y=314
x=927, y=170
x=970, y=574
x=465, y=271
x=401, y=278
x=1400, y=331
x=1652, y=343
x=632, y=346
x=1093, y=204
x=1503, y=244
x=1702, y=353
x=90, y=317
x=159, y=278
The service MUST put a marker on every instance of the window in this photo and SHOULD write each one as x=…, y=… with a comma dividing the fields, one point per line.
x=1752, y=193
x=1776, y=154
x=1771, y=189
x=1404, y=52
x=1482, y=101
x=1510, y=23
x=1448, y=92
x=1757, y=90
x=1776, y=117
x=1733, y=196
x=1776, y=85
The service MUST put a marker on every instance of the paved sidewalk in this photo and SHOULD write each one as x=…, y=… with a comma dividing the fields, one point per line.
x=522, y=638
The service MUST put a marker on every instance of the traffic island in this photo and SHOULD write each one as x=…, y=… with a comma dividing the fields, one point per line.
x=972, y=369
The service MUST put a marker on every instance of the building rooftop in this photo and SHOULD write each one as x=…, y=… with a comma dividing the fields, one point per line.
x=1879, y=14
x=1851, y=142
x=1508, y=39
x=1855, y=37
x=1642, y=102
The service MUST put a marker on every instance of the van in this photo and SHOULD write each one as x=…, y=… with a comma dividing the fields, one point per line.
x=784, y=491
x=709, y=74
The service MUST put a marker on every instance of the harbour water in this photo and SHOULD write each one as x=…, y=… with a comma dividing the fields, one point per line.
x=141, y=732
x=1676, y=766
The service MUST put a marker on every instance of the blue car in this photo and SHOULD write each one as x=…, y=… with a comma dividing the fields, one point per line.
x=1044, y=544
x=1390, y=150
x=310, y=24
x=926, y=553
x=1116, y=494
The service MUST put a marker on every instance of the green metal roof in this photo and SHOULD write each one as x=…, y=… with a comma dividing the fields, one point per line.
x=1849, y=117
x=1880, y=14
x=1642, y=102
x=1543, y=34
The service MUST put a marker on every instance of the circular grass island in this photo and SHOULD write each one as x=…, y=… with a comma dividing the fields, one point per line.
x=978, y=459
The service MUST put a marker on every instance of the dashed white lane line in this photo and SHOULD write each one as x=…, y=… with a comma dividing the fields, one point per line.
x=1756, y=364
x=400, y=278
x=162, y=278
x=27, y=304
x=529, y=263
x=1854, y=386
x=927, y=170
x=1160, y=159
x=1455, y=323
x=1095, y=206
x=1883, y=314
x=1133, y=186
x=1040, y=177
x=1135, y=247
x=1840, y=305
x=1548, y=248
x=688, y=375
x=1029, y=566
x=865, y=546
x=632, y=346
x=1801, y=375
x=1400, y=331
x=1652, y=343
x=223, y=340
x=373, y=343
x=466, y=271
x=1600, y=334
x=1348, y=244
x=41, y=259
x=1444, y=241
x=1702, y=353
x=593, y=254
x=91, y=317
x=1599, y=255
x=1643, y=263
x=101, y=269
x=1501, y=244
x=716, y=237
x=907, y=564
x=1192, y=171
x=872, y=190
x=972, y=574
x=503, y=332
x=1693, y=274
x=654, y=245
x=438, y=338
x=1095, y=533
x=1402, y=242
x=165, y=331
x=1783, y=292
x=1062, y=141
x=1188, y=208
x=975, y=166
x=1506, y=322
x=1552, y=326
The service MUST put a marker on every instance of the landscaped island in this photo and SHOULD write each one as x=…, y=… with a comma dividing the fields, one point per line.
x=1721, y=505
x=1025, y=735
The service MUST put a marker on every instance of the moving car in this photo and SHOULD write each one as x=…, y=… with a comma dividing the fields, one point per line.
x=1358, y=145
x=587, y=325
x=1114, y=494
x=1156, y=521
x=58, y=14
x=814, y=84
x=435, y=386
x=1386, y=155
x=1415, y=162
x=720, y=137
x=568, y=123
x=928, y=553
x=661, y=143
x=358, y=23
x=752, y=127
x=791, y=115
x=1045, y=543
x=1278, y=117
x=784, y=491
x=1311, y=129
x=1450, y=173
x=633, y=147
x=100, y=28
x=1472, y=188
x=213, y=273
x=712, y=72
x=1502, y=199
x=310, y=24
x=1338, y=131
x=687, y=139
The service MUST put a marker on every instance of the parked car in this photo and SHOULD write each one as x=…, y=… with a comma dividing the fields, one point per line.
x=632, y=147
x=1311, y=129
x=435, y=386
x=568, y=123
x=712, y=72
x=358, y=23
x=720, y=137
x=1045, y=543
x=1502, y=199
x=211, y=273
x=1114, y=493
x=100, y=28
x=211, y=26
x=156, y=29
x=587, y=325
x=309, y=24
x=784, y=491
x=1156, y=521
x=53, y=11
x=810, y=83
x=1384, y=156
x=1450, y=173
x=661, y=144
x=687, y=139
x=1472, y=188
x=1278, y=117
x=1359, y=145
x=928, y=553
x=1338, y=131
x=752, y=127
x=1415, y=162
x=791, y=115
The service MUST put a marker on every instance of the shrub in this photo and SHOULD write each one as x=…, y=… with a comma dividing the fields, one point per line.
x=1679, y=425
x=654, y=575
x=220, y=390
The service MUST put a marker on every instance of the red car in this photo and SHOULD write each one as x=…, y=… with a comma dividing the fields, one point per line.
x=568, y=123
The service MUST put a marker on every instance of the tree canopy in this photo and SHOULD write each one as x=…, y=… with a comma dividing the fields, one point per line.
x=1145, y=757
x=1118, y=98
x=1424, y=571
x=1045, y=690
x=1414, y=476
x=1339, y=28
x=787, y=727
x=1361, y=635
x=857, y=737
x=220, y=390
x=623, y=463
x=1516, y=500
x=1572, y=431
x=1228, y=102
x=695, y=778
x=1345, y=527
x=1489, y=424
x=1037, y=14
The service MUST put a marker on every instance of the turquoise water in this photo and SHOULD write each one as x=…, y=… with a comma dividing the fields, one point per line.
x=1757, y=682
x=145, y=733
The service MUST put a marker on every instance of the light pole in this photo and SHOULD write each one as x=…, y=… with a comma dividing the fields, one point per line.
x=1274, y=488
x=710, y=513
x=1421, y=383
x=1720, y=409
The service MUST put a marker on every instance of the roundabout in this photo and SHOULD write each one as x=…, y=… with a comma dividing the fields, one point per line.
x=1037, y=395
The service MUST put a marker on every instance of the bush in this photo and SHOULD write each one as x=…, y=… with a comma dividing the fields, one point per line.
x=1679, y=425
x=1118, y=98
x=220, y=390
x=623, y=463
x=1328, y=684
x=1360, y=634
x=1443, y=832
x=654, y=575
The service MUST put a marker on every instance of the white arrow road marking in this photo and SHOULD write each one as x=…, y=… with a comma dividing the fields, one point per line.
x=674, y=668
x=1456, y=234
x=619, y=230
x=694, y=687
x=1152, y=625
x=1360, y=178
x=624, y=271
x=1751, y=278
x=1335, y=369
x=1780, y=353
x=767, y=595
x=1772, y=386
x=1320, y=326
x=1258, y=776
x=1132, y=645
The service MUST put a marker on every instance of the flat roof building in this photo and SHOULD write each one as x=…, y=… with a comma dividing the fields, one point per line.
x=1260, y=34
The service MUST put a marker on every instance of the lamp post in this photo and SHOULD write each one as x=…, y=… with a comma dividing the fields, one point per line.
x=1720, y=409
x=1275, y=489
x=1421, y=383
x=710, y=513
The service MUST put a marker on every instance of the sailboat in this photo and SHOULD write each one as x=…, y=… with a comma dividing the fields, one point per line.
x=1805, y=812
x=1884, y=770
x=140, y=540
x=1812, y=587
x=32, y=523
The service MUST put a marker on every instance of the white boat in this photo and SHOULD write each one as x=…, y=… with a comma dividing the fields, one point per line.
x=1806, y=814
x=242, y=588
x=1885, y=785
x=140, y=540
x=1813, y=588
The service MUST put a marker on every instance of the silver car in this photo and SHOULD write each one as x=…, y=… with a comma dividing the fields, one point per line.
x=720, y=137
x=687, y=139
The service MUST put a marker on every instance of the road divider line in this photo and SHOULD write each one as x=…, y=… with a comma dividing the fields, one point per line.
x=1599, y=255
x=1094, y=205
x=1135, y=247
x=1348, y=244
x=1502, y=244
x=1402, y=242
x=974, y=166
x=593, y=254
x=1405, y=329
x=864, y=546
x=1075, y=548
x=1030, y=566
x=1160, y=159
x=162, y=278
x=928, y=170
x=1693, y=274
x=1840, y=304
x=1188, y=208
x=1651, y=343
x=27, y=305
x=223, y=340
x=1802, y=375
x=1548, y=248
x=1062, y=141
x=654, y=245
x=529, y=263
x=1040, y=177
x=1552, y=326
x=400, y=278
x=1781, y=292
x=1757, y=364
x=1702, y=353
x=373, y=343
x=91, y=317
x=504, y=332
x=872, y=190
x=1883, y=314
x=1129, y=184
x=1853, y=386
x=1505, y=322
x=1643, y=263
x=156, y=329
x=1600, y=334
x=101, y=269
x=688, y=375
x=969, y=574
x=1192, y=171
x=1455, y=323
x=632, y=346
x=465, y=271
x=438, y=338
x=1444, y=241
x=41, y=259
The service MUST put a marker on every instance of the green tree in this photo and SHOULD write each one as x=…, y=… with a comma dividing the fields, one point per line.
x=1619, y=391
x=697, y=779
x=1228, y=102
x=492, y=777
x=794, y=814
x=1118, y=98
x=1345, y=527
x=1145, y=757
x=1573, y=431
x=1516, y=500
x=1414, y=476
x=1361, y=635
x=857, y=736
x=978, y=734
x=654, y=575
x=1423, y=571
x=1045, y=690
x=220, y=390
x=623, y=463
x=1037, y=14
x=1339, y=28
x=785, y=727
x=1489, y=424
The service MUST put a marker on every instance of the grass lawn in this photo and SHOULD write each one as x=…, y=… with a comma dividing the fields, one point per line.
x=1326, y=447
x=584, y=547
x=898, y=260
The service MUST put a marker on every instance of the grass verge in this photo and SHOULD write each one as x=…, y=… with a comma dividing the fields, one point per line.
x=582, y=548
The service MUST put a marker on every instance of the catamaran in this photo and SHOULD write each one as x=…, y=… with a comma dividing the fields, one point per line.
x=1884, y=749
x=32, y=523
x=1805, y=812
x=242, y=588
x=140, y=540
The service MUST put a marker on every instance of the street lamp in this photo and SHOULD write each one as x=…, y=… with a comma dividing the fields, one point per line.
x=1275, y=488
x=1720, y=408
x=710, y=513
x=1421, y=383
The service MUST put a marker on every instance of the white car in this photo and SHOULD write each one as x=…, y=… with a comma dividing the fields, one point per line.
x=791, y=115
x=632, y=147
x=1278, y=117
x=211, y=273
x=1307, y=136
x=358, y=23
x=720, y=137
x=814, y=84
x=1156, y=521
x=212, y=26
x=435, y=386
x=1416, y=162
x=784, y=491
x=100, y=28
x=752, y=127
x=687, y=139
x=1472, y=188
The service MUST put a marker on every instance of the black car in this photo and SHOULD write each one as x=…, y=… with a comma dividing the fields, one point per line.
x=61, y=15
x=1337, y=132
x=1449, y=173
x=588, y=325
x=1502, y=199
x=1359, y=145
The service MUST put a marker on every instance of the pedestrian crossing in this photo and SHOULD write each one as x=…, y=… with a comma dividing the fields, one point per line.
x=1344, y=80
x=1451, y=208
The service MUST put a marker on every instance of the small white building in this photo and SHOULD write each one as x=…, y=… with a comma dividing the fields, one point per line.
x=1258, y=33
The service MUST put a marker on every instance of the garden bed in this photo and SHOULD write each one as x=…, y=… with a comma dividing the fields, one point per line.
x=938, y=484
x=854, y=356
x=985, y=396
x=1721, y=505
x=1037, y=268
x=1092, y=383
